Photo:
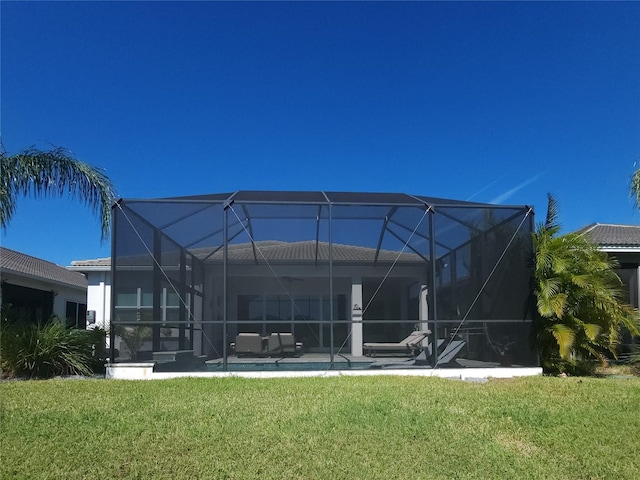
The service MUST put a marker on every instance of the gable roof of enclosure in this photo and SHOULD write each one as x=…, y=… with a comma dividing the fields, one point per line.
x=172, y=221
x=315, y=197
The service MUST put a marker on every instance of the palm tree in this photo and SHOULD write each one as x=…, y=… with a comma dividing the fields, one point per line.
x=634, y=188
x=54, y=172
x=580, y=313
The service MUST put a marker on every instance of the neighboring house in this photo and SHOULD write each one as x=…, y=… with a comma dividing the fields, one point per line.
x=98, y=276
x=33, y=289
x=621, y=242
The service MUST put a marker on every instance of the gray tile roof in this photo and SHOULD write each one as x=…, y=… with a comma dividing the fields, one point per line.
x=305, y=251
x=613, y=236
x=28, y=266
x=96, y=262
x=272, y=251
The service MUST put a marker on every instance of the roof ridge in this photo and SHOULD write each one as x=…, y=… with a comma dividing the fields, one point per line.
x=78, y=262
x=617, y=225
x=586, y=229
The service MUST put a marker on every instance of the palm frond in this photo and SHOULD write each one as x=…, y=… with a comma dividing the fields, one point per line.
x=595, y=353
x=565, y=338
x=634, y=188
x=552, y=305
x=54, y=172
x=552, y=212
x=592, y=331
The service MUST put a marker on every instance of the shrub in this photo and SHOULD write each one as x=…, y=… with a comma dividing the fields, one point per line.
x=97, y=343
x=133, y=337
x=45, y=351
x=580, y=313
x=634, y=359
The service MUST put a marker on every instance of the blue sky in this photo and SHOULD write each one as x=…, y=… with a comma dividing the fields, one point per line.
x=495, y=102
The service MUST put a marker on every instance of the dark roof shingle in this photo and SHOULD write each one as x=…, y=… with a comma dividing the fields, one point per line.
x=26, y=265
x=612, y=236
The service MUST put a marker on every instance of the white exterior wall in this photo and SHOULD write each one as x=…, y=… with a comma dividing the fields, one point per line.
x=64, y=295
x=99, y=297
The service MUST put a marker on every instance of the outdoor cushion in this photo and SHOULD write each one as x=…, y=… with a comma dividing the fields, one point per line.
x=283, y=344
x=248, y=344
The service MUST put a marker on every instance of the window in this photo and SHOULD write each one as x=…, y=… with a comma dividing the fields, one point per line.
x=134, y=306
x=27, y=304
x=306, y=316
x=76, y=315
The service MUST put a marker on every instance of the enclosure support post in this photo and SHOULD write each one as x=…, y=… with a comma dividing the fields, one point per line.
x=433, y=295
x=225, y=251
x=157, y=290
x=331, y=299
x=182, y=317
x=112, y=306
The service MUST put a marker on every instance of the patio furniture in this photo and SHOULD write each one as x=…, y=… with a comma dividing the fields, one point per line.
x=248, y=344
x=283, y=344
x=448, y=354
x=412, y=345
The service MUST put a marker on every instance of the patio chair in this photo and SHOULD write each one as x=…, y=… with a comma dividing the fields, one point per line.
x=412, y=345
x=249, y=344
x=448, y=354
x=283, y=344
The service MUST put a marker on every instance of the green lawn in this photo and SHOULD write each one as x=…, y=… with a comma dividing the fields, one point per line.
x=321, y=428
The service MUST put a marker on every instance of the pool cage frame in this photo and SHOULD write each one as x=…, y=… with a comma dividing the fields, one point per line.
x=336, y=269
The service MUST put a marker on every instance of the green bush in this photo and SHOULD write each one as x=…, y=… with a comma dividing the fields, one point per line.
x=634, y=359
x=45, y=351
x=97, y=339
x=580, y=313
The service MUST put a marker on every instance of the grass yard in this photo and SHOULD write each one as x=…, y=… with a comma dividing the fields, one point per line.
x=321, y=428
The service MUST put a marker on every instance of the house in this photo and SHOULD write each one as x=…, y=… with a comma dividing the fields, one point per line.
x=33, y=289
x=337, y=270
x=98, y=276
x=621, y=242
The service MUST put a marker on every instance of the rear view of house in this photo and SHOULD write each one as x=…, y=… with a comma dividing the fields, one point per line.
x=335, y=270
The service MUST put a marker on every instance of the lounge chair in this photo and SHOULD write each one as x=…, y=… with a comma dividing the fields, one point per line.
x=448, y=354
x=412, y=345
x=283, y=344
x=248, y=344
